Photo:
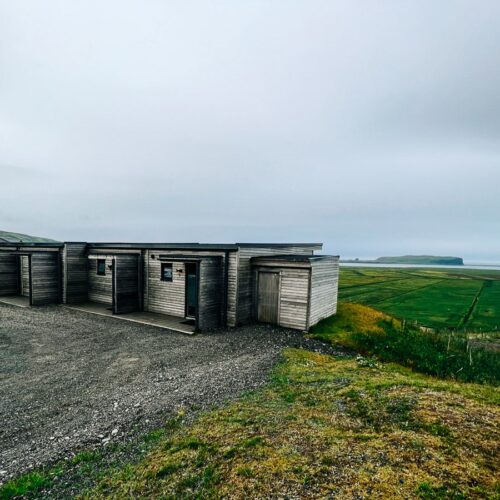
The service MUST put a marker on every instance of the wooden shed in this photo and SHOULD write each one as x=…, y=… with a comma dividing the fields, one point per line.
x=32, y=274
x=295, y=291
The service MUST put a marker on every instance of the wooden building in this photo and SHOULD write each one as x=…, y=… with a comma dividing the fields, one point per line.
x=209, y=285
x=31, y=272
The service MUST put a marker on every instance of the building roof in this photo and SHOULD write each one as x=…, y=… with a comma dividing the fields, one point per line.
x=293, y=257
x=167, y=246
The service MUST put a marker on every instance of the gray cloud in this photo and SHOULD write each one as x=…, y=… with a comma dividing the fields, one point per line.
x=372, y=126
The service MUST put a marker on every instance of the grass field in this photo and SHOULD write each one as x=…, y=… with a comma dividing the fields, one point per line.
x=438, y=298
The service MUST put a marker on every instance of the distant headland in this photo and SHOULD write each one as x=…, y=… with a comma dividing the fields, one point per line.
x=428, y=260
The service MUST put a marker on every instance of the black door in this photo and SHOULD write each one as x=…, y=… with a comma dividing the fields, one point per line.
x=191, y=290
x=125, y=283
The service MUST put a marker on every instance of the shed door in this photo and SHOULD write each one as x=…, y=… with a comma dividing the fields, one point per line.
x=9, y=265
x=191, y=290
x=45, y=279
x=268, y=296
x=125, y=284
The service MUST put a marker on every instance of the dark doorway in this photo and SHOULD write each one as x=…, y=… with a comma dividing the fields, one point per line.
x=191, y=290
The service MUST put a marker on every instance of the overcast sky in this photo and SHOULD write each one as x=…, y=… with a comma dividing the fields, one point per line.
x=371, y=126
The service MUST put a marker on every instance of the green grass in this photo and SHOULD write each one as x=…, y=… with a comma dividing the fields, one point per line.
x=437, y=298
x=28, y=484
x=84, y=469
x=442, y=354
x=328, y=427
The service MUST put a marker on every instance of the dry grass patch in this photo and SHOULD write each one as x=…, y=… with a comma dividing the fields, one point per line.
x=325, y=427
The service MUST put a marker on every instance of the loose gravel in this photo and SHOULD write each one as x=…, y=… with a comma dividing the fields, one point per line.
x=70, y=380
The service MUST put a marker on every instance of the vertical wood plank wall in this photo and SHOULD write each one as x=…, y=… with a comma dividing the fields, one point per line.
x=126, y=287
x=9, y=274
x=74, y=259
x=210, y=293
x=45, y=278
x=232, y=287
x=324, y=289
x=294, y=298
x=245, y=282
x=100, y=288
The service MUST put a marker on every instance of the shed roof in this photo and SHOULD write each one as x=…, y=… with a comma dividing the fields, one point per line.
x=293, y=258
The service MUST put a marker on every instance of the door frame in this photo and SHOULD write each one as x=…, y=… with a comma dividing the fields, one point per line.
x=257, y=281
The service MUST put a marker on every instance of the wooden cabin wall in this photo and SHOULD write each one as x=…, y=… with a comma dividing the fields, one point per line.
x=156, y=294
x=211, y=289
x=25, y=276
x=324, y=289
x=245, y=284
x=75, y=273
x=166, y=297
x=9, y=274
x=45, y=278
x=232, y=287
x=100, y=288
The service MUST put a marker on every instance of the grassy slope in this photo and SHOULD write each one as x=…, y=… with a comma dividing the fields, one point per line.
x=434, y=297
x=6, y=236
x=449, y=355
x=330, y=426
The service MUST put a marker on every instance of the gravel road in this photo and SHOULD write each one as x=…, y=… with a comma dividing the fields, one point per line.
x=70, y=380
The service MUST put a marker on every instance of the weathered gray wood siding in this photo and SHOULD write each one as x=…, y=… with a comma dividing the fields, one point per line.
x=232, y=287
x=210, y=295
x=126, y=286
x=166, y=297
x=324, y=289
x=293, y=293
x=294, y=296
x=75, y=273
x=245, y=282
x=9, y=274
x=169, y=297
x=24, y=262
x=100, y=288
x=45, y=278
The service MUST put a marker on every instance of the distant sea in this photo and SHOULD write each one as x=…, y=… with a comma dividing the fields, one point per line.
x=491, y=267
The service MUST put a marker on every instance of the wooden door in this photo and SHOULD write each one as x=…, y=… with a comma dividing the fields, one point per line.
x=125, y=283
x=45, y=282
x=191, y=290
x=268, y=296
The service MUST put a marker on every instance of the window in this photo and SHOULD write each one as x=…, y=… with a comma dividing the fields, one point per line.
x=101, y=267
x=166, y=272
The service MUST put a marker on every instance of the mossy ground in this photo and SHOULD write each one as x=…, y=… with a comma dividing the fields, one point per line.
x=328, y=426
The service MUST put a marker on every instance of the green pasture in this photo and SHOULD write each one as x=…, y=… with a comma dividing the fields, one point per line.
x=438, y=298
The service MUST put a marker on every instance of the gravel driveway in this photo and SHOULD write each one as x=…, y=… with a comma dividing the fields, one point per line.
x=71, y=380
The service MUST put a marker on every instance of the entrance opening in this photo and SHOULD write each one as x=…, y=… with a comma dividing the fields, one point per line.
x=191, y=290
